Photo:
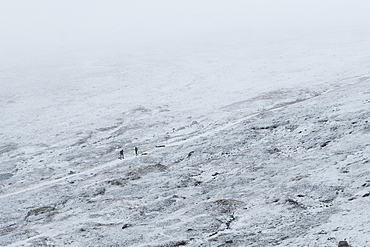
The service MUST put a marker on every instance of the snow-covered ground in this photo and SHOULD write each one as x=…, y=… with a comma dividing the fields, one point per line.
x=245, y=139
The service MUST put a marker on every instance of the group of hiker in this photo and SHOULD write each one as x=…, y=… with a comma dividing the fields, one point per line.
x=121, y=155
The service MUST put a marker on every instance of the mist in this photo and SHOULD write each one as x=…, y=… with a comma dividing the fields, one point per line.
x=68, y=23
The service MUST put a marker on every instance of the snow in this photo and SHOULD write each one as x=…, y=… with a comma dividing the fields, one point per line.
x=249, y=140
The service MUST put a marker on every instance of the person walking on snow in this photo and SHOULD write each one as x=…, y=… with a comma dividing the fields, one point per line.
x=136, y=151
x=121, y=154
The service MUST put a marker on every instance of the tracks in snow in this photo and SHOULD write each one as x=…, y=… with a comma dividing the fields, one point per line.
x=175, y=142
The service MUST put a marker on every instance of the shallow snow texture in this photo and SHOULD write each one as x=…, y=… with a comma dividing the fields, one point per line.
x=243, y=142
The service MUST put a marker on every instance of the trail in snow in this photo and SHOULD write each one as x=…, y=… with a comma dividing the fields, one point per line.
x=115, y=162
x=175, y=142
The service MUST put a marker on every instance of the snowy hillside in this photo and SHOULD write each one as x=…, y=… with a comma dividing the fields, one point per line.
x=243, y=141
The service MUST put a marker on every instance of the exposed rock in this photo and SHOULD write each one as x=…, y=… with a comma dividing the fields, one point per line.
x=324, y=144
x=125, y=226
x=271, y=127
x=296, y=204
x=174, y=244
x=190, y=153
x=5, y=176
x=226, y=206
x=40, y=210
x=343, y=244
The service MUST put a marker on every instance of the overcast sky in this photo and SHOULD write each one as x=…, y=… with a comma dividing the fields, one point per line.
x=77, y=21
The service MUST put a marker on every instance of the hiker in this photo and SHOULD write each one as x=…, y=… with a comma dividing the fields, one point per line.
x=136, y=151
x=121, y=154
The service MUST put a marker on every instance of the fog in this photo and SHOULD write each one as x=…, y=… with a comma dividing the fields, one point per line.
x=26, y=25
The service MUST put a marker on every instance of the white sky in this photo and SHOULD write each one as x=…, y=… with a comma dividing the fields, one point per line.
x=78, y=21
